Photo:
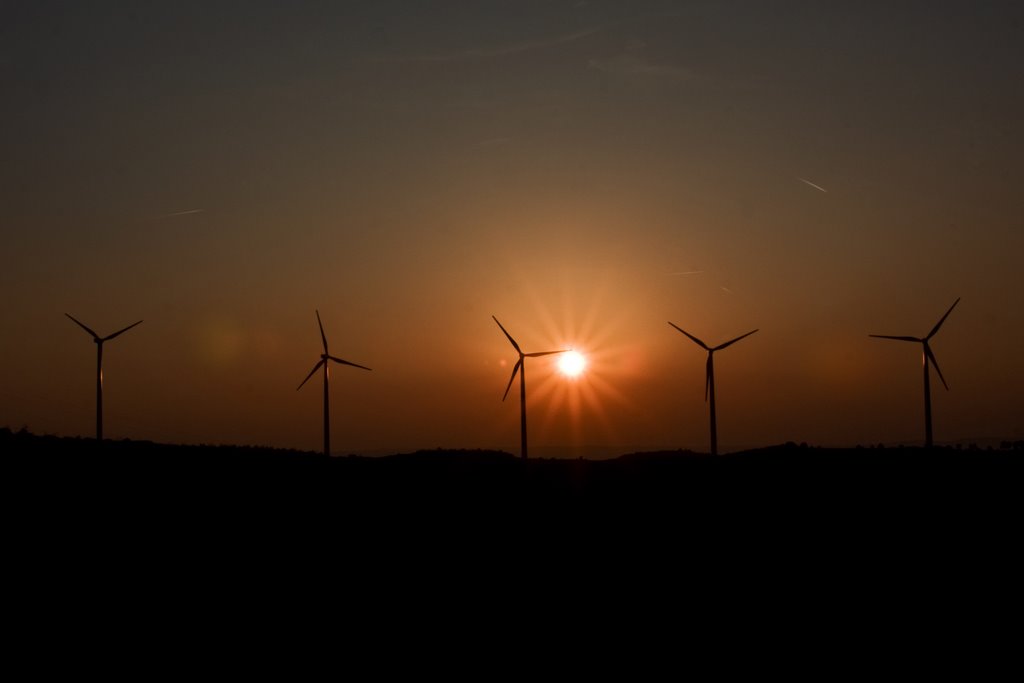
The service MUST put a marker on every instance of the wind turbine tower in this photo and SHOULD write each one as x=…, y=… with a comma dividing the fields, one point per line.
x=709, y=381
x=520, y=368
x=927, y=358
x=99, y=369
x=325, y=357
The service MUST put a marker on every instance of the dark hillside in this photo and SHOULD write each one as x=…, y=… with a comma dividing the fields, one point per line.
x=864, y=522
x=71, y=473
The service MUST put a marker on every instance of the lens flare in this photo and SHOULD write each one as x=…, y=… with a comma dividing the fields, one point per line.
x=572, y=363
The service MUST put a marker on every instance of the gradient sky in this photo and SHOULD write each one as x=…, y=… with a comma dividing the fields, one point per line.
x=584, y=170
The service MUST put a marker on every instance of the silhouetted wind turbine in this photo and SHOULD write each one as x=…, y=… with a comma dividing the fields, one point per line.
x=99, y=369
x=927, y=357
x=521, y=365
x=709, y=382
x=324, y=357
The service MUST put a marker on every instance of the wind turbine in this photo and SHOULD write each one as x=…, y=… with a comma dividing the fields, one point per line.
x=324, y=357
x=99, y=369
x=521, y=365
x=927, y=357
x=709, y=382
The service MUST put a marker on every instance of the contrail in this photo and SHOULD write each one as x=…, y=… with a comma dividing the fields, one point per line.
x=686, y=272
x=181, y=213
x=816, y=187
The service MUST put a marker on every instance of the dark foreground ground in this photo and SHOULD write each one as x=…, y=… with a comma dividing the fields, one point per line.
x=786, y=537
x=50, y=475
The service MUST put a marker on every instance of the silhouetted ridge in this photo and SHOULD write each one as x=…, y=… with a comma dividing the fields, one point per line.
x=470, y=455
x=658, y=456
x=136, y=480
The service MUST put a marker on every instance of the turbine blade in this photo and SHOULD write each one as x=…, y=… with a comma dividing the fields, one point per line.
x=311, y=373
x=939, y=324
x=730, y=343
x=931, y=357
x=345, y=362
x=514, y=345
x=707, y=378
x=886, y=336
x=322, y=335
x=83, y=326
x=698, y=341
x=544, y=353
x=109, y=337
x=512, y=378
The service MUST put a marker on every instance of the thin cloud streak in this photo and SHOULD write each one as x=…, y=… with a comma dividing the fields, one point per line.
x=489, y=53
x=816, y=187
x=634, y=66
x=181, y=213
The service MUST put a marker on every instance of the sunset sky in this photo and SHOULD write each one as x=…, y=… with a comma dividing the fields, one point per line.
x=586, y=171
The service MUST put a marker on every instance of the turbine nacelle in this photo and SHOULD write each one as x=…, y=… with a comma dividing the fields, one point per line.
x=712, y=349
x=522, y=356
x=95, y=337
x=929, y=357
x=710, y=365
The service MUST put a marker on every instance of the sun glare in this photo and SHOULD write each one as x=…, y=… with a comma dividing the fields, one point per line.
x=572, y=363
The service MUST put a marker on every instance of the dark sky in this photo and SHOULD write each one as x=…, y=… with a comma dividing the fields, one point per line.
x=586, y=171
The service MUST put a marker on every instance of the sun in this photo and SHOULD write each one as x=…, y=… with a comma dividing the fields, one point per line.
x=572, y=363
